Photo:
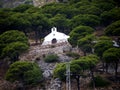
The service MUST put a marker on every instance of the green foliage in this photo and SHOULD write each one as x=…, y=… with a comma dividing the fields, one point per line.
x=25, y=72
x=59, y=8
x=39, y=24
x=89, y=9
x=60, y=21
x=4, y=19
x=73, y=38
x=81, y=62
x=60, y=71
x=13, y=50
x=13, y=36
x=110, y=16
x=87, y=48
x=52, y=8
x=51, y=58
x=100, y=82
x=85, y=19
x=113, y=29
x=82, y=30
x=101, y=46
x=82, y=3
x=75, y=69
x=19, y=21
x=80, y=12
x=104, y=38
x=73, y=55
x=22, y=8
x=12, y=44
x=104, y=5
x=33, y=10
x=86, y=62
x=111, y=55
x=76, y=66
x=85, y=44
x=73, y=1
x=91, y=59
x=79, y=32
x=70, y=9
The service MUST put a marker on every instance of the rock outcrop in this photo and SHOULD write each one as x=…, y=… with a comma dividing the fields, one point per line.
x=13, y=3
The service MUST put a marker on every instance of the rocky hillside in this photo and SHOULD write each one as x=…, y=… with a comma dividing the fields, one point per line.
x=40, y=3
x=13, y=3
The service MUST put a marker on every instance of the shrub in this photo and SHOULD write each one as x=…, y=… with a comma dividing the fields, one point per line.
x=72, y=54
x=51, y=58
x=100, y=82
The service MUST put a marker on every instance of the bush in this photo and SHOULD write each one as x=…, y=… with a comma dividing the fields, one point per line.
x=73, y=55
x=100, y=82
x=51, y=58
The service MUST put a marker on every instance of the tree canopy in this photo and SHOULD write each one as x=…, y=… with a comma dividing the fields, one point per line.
x=60, y=21
x=85, y=44
x=25, y=72
x=86, y=19
x=12, y=44
x=76, y=66
x=13, y=50
x=101, y=46
x=113, y=29
x=13, y=36
x=112, y=55
x=79, y=32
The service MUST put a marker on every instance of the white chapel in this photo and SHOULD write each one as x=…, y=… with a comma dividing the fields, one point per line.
x=55, y=37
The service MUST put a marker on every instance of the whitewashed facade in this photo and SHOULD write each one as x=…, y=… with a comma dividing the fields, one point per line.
x=55, y=37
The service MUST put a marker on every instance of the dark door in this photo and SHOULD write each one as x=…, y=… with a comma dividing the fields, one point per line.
x=54, y=41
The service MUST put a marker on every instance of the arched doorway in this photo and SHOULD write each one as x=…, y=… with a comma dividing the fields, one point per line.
x=54, y=41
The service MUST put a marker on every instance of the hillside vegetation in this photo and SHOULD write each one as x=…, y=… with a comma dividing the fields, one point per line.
x=93, y=27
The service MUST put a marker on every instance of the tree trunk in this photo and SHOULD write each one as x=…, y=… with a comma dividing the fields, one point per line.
x=84, y=53
x=92, y=76
x=78, y=81
x=36, y=37
x=116, y=67
x=106, y=67
x=102, y=63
